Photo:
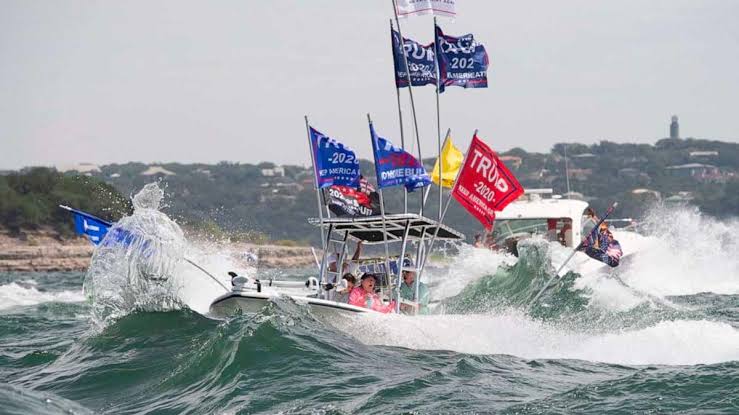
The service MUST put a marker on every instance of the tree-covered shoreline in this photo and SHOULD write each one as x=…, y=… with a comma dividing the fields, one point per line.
x=265, y=202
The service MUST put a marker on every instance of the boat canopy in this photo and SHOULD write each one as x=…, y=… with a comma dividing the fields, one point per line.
x=370, y=229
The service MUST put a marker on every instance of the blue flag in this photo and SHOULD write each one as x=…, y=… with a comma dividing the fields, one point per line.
x=396, y=167
x=336, y=164
x=420, y=59
x=462, y=61
x=90, y=226
x=95, y=229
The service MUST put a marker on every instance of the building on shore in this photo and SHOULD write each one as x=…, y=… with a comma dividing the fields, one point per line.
x=697, y=171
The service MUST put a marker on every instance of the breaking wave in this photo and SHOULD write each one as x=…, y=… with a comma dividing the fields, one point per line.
x=25, y=293
x=689, y=253
x=680, y=342
x=133, y=266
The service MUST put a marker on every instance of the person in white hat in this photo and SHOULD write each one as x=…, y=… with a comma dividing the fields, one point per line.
x=412, y=304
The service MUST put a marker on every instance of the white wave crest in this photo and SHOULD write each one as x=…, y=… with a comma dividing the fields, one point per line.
x=15, y=295
x=689, y=253
x=468, y=266
x=679, y=342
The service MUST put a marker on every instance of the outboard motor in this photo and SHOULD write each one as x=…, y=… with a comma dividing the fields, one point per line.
x=238, y=282
x=312, y=284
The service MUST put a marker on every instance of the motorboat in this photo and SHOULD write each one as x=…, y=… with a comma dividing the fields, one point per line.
x=400, y=234
x=540, y=213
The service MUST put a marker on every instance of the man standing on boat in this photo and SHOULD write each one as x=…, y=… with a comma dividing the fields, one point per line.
x=408, y=292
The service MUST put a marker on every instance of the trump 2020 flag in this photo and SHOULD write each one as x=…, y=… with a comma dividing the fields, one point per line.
x=407, y=8
x=420, y=59
x=336, y=164
x=90, y=226
x=485, y=185
x=396, y=167
x=462, y=61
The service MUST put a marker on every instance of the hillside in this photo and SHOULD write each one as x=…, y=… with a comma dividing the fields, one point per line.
x=29, y=200
x=268, y=202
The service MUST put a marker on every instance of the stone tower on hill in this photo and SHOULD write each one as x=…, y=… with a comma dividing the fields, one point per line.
x=674, y=128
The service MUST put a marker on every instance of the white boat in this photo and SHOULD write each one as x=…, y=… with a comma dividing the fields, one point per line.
x=540, y=213
x=399, y=233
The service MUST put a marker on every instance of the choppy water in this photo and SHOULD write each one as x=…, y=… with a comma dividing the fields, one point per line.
x=662, y=339
x=52, y=360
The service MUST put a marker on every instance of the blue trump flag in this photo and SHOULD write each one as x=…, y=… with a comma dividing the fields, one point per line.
x=88, y=225
x=462, y=61
x=396, y=167
x=95, y=229
x=336, y=164
x=420, y=59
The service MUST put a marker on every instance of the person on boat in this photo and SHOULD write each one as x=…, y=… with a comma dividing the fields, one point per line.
x=348, y=266
x=478, y=241
x=408, y=292
x=565, y=234
x=365, y=296
x=589, y=220
x=490, y=242
x=551, y=234
x=601, y=245
x=347, y=284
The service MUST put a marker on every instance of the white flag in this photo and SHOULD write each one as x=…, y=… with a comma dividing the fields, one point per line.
x=407, y=8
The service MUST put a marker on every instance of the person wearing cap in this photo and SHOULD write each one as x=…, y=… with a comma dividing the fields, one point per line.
x=365, y=296
x=408, y=291
x=601, y=245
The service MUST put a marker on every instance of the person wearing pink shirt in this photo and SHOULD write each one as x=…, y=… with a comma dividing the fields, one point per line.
x=365, y=296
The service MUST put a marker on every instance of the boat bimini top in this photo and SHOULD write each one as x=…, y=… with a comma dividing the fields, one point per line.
x=405, y=231
x=370, y=229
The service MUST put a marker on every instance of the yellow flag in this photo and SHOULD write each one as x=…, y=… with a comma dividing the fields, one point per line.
x=451, y=159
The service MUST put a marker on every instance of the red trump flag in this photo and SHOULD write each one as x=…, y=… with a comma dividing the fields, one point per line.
x=485, y=185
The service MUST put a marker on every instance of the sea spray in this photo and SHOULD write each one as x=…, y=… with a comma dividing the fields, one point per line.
x=132, y=268
x=513, y=284
x=689, y=253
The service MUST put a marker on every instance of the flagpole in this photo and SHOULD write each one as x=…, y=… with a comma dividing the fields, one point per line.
x=382, y=209
x=400, y=111
x=410, y=90
x=441, y=168
x=438, y=118
x=318, y=197
x=448, y=133
x=443, y=214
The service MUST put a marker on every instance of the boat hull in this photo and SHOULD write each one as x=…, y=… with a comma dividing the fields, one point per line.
x=253, y=302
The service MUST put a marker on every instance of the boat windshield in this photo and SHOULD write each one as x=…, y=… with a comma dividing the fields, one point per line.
x=509, y=232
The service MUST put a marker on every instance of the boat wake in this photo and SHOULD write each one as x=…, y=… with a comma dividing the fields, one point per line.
x=645, y=314
x=678, y=342
x=481, y=296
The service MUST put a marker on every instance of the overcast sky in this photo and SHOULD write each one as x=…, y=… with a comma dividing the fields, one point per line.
x=161, y=81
